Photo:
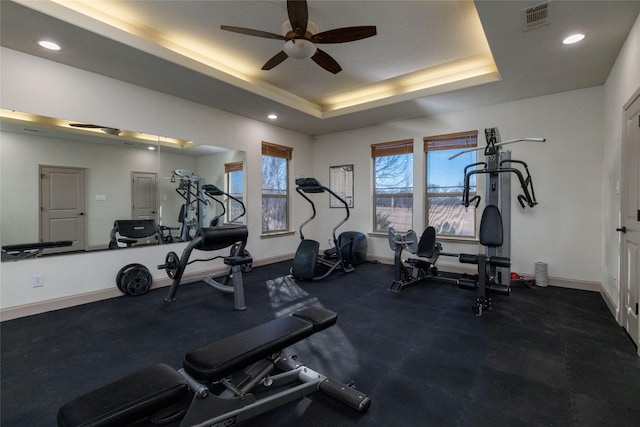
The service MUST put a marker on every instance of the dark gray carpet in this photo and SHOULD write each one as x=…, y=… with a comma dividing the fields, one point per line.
x=549, y=356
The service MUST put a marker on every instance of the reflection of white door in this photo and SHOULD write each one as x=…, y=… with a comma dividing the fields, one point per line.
x=62, y=207
x=630, y=240
x=144, y=191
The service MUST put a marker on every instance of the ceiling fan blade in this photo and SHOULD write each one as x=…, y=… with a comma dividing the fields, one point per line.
x=298, y=15
x=324, y=60
x=343, y=35
x=276, y=60
x=251, y=32
x=85, y=125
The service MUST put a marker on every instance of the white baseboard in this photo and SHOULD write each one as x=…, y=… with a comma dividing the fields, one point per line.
x=15, y=312
x=553, y=281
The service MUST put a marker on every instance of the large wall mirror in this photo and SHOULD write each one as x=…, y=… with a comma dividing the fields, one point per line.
x=83, y=178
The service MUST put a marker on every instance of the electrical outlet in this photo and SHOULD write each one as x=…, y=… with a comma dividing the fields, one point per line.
x=37, y=280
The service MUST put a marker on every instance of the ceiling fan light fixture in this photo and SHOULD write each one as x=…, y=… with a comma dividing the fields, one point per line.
x=299, y=48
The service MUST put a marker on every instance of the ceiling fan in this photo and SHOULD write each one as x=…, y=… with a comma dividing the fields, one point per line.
x=300, y=40
x=105, y=129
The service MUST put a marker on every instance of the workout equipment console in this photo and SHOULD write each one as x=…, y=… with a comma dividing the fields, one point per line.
x=222, y=383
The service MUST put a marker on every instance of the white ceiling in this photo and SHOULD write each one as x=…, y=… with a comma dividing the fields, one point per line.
x=427, y=57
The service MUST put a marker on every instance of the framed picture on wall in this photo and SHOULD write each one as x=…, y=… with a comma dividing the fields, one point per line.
x=341, y=183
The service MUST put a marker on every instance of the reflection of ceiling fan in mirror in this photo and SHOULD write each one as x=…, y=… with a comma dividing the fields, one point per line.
x=300, y=36
x=105, y=129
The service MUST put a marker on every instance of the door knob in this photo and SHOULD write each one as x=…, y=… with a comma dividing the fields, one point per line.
x=623, y=229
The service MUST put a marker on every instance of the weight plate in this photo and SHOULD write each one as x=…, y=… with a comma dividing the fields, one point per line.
x=248, y=266
x=121, y=274
x=137, y=281
x=171, y=264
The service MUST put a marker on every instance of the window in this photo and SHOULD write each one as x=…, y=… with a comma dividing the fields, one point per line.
x=235, y=180
x=393, y=185
x=275, y=188
x=445, y=184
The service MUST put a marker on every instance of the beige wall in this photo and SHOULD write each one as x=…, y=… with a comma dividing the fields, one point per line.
x=563, y=230
x=622, y=83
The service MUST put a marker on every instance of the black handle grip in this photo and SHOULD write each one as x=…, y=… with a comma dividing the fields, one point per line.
x=345, y=394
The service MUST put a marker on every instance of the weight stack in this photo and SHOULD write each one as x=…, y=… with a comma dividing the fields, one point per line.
x=542, y=278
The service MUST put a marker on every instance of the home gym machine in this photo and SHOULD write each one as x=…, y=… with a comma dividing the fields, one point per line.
x=221, y=384
x=494, y=232
x=213, y=238
x=349, y=249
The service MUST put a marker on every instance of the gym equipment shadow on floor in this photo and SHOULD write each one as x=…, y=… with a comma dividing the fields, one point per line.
x=547, y=356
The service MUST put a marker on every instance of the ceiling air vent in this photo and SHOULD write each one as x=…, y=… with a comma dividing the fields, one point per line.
x=535, y=16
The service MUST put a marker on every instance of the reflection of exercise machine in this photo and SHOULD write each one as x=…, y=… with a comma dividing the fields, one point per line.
x=30, y=250
x=194, y=209
x=220, y=384
x=349, y=249
x=129, y=232
x=494, y=232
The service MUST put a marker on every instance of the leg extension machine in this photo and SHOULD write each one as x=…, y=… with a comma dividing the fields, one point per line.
x=211, y=239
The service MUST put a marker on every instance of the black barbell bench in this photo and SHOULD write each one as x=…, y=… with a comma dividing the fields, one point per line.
x=227, y=381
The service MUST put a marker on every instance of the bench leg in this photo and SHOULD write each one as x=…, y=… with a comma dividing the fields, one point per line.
x=238, y=288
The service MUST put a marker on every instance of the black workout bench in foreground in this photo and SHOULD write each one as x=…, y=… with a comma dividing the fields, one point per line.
x=222, y=383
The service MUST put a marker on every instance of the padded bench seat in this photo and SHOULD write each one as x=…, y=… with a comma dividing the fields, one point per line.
x=126, y=400
x=146, y=391
x=217, y=360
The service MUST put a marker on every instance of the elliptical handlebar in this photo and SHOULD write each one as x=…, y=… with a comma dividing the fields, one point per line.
x=312, y=185
x=212, y=190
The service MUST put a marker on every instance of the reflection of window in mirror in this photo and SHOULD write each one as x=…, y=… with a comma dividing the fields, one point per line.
x=275, y=190
x=234, y=178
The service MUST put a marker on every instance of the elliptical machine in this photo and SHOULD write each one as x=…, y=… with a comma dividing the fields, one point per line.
x=349, y=248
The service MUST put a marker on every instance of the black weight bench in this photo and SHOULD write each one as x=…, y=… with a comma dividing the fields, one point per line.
x=212, y=239
x=222, y=382
x=131, y=231
x=490, y=237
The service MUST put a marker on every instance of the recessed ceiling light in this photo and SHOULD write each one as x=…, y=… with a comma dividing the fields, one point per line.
x=574, y=38
x=151, y=148
x=272, y=116
x=48, y=44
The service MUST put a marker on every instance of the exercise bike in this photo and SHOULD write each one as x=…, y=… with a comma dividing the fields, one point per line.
x=349, y=248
